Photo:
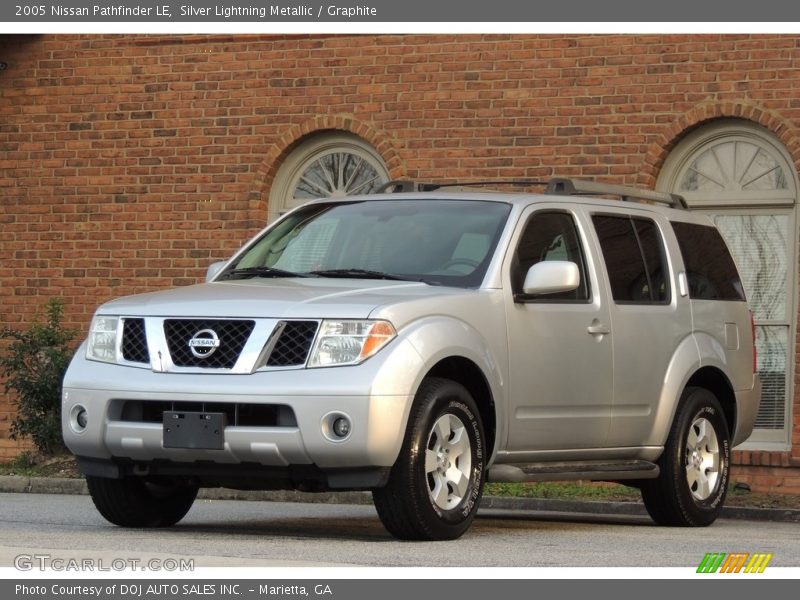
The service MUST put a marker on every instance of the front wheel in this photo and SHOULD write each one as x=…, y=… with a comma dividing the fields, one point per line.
x=133, y=502
x=691, y=488
x=436, y=484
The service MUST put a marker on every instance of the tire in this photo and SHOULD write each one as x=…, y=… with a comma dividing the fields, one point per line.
x=693, y=482
x=437, y=500
x=133, y=502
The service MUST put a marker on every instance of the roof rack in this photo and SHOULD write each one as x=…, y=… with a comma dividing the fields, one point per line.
x=403, y=185
x=561, y=186
x=398, y=186
x=578, y=187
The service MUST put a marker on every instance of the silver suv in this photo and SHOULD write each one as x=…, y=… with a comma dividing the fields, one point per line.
x=420, y=343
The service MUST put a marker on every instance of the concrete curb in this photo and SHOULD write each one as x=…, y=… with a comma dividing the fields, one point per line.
x=58, y=485
x=42, y=485
x=786, y=515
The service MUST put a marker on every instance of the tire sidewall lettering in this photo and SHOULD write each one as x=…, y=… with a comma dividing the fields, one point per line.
x=711, y=414
x=469, y=503
x=723, y=482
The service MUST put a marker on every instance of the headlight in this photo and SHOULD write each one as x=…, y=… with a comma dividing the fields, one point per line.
x=102, y=343
x=349, y=342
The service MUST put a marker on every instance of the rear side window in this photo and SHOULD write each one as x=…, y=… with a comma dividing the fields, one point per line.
x=710, y=270
x=634, y=256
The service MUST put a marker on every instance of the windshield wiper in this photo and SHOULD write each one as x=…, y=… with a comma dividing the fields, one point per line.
x=261, y=272
x=359, y=274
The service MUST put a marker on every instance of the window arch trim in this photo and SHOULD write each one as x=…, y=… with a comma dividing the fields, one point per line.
x=318, y=152
x=750, y=206
x=712, y=134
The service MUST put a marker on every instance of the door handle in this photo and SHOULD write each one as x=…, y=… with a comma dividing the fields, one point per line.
x=597, y=328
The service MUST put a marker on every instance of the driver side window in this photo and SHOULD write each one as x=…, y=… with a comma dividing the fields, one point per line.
x=550, y=236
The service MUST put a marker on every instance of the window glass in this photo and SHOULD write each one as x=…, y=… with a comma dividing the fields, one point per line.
x=330, y=164
x=653, y=252
x=710, y=270
x=734, y=165
x=550, y=236
x=772, y=351
x=439, y=242
x=633, y=253
x=760, y=245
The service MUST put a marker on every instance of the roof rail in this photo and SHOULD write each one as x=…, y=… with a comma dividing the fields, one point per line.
x=577, y=187
x=403, y=185
x=397, y=186
x=561, y=186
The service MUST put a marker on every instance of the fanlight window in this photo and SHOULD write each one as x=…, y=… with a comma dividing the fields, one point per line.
x=337, y=174
x=331, y=164
x=733, y=166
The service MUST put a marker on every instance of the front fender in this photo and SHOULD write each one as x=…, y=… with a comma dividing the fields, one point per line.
x=441, y=337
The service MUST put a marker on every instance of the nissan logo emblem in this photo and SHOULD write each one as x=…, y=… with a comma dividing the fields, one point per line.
x=204, y=343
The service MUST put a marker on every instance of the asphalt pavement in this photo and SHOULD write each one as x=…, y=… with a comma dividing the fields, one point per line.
x=233, y=533
x=61, y=485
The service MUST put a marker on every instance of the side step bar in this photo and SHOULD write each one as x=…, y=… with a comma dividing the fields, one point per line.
x=598, y=470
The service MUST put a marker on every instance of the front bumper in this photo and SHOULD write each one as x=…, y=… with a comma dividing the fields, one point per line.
x=376, y=396
x=307, y=478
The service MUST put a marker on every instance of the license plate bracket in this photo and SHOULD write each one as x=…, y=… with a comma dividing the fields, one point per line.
x=194, y=430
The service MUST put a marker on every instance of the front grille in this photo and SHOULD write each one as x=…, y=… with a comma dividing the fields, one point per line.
x=239, y=414
x=293, y=345
x=232, y=335
x=134, y=341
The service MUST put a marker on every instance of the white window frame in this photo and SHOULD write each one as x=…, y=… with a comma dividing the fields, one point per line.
x=307, y=152
x=778, y=202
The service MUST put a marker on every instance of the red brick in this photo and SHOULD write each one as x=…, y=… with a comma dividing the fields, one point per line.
x=116, y=151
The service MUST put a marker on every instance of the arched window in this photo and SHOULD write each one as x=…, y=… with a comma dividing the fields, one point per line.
x=741, y=175
x=330, y=164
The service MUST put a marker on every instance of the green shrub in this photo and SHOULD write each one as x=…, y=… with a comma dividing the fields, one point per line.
x=33, y=365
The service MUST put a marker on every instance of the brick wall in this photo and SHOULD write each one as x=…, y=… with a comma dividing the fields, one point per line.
x=129, y=163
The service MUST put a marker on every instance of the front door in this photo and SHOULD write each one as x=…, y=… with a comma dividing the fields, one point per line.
x=560, y=365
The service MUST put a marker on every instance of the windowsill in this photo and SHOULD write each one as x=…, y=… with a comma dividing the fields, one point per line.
x=763, y=446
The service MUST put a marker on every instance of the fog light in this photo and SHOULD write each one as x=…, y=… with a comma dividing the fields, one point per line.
x=78, y=418
x=341, y=427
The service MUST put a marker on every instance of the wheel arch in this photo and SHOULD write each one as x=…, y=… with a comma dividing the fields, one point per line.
x=464, y=371
x=695, y=362
x=454, y=349
x=716, y=382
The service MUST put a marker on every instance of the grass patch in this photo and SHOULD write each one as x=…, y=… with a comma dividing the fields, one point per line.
x=573, y=490
x=613, y=492
x=31, y=464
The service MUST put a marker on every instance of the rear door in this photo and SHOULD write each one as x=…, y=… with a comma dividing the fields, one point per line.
x=649, y=318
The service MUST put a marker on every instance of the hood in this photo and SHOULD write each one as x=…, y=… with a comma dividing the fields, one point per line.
x=275, y=298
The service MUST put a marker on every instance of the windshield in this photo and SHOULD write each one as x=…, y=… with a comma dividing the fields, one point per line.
x=439, y=242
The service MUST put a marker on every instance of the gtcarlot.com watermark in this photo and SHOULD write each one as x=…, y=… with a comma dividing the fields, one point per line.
x=47, y=562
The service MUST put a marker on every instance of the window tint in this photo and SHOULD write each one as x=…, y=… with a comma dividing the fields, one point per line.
x=653, y=253
x=440, y=242
x=710, y=270
x=634, y=256
x=550, y=236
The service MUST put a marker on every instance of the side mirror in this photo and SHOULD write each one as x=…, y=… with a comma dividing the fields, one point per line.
x=551, y=277
x=214, y=269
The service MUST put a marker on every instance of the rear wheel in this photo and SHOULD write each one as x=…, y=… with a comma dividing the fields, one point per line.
x=691, y=488
x=436, y=484
x=133, y=502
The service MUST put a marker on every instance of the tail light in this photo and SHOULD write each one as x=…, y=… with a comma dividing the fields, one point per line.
x=755, y=352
